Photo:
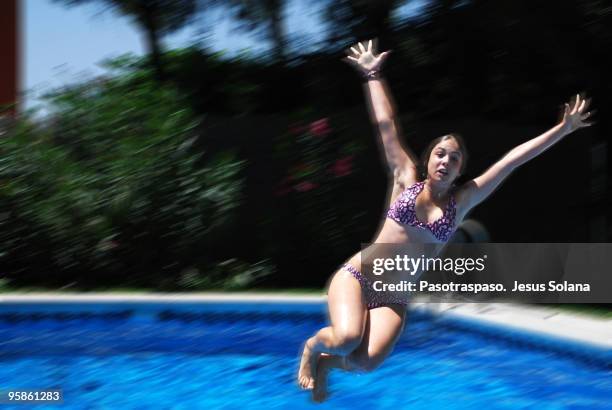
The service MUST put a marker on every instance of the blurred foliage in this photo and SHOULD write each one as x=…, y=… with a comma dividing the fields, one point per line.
x=315, y=196
x=263, y=18
x=348, y=21
x=231, y=274
x=111, y=185
x=126, y=180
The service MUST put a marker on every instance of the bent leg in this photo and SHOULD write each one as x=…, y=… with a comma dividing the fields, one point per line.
x=347, y=313
x=383, y=329
x=325, y=364
x=384, y=325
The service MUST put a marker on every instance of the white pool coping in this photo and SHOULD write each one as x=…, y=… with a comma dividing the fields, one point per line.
x=160, y=297
x=573, y=327
x=541, y=320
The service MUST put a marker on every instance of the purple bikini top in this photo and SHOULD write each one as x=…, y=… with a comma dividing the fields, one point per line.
x=402, y=211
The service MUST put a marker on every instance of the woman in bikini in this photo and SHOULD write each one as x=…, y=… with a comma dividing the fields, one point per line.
x=364, y=324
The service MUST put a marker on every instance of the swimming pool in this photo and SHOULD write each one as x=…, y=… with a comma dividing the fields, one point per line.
x=245, y=355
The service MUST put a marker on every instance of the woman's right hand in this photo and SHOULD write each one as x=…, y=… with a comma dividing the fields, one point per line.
x=365, y=59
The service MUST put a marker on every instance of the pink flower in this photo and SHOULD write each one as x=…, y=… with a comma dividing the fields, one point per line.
x=320, y=128
x=297, y=128
x=343, y=166
x=305, y=186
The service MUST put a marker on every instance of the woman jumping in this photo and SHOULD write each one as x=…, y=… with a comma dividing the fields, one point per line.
x=364, y=324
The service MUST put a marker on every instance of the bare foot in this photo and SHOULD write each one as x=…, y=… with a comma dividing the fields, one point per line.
x=308, y=366
x=319, y=393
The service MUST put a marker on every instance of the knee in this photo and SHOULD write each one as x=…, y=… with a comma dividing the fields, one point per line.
x=346, y=341
x=366, y=362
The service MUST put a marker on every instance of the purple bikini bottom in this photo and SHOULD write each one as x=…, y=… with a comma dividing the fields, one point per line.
x=374, y=298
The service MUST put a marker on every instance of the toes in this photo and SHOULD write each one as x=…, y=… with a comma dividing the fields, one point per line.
x=310, y=385
x=306, y=383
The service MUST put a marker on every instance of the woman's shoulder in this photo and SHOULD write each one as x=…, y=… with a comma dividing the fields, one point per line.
x=460, y=196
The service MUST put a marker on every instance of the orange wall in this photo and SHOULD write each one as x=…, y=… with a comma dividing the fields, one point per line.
x=9, y=51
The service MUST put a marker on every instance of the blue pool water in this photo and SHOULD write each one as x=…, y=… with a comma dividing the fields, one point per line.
x=244, y=356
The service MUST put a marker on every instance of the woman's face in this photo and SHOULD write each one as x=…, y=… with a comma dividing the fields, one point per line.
x=445, y=161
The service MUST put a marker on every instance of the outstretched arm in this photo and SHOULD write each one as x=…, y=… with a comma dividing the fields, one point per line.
x=400, y=161
x=475, y=191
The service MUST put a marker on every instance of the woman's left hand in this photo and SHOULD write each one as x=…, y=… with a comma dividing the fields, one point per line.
x=576, y=114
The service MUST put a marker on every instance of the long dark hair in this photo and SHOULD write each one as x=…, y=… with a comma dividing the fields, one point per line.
x=427, y=152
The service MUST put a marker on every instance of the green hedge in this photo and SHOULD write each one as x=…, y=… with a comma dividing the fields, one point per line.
x=109, y=188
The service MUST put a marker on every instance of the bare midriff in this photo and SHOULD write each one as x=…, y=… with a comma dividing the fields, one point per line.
x=393, y=232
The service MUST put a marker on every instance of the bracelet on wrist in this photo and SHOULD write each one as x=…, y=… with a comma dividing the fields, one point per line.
x=372, y=75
